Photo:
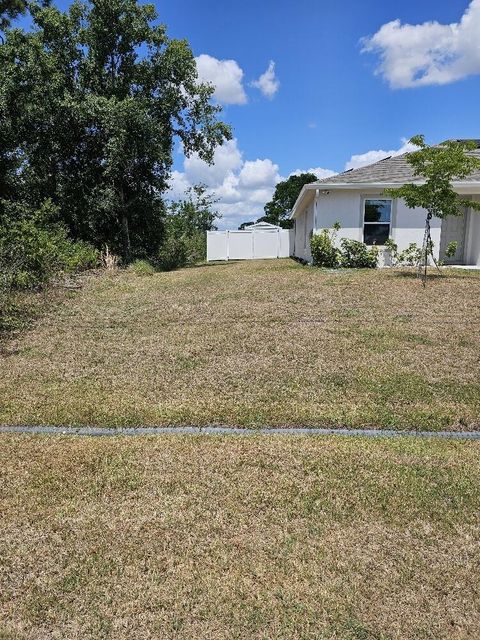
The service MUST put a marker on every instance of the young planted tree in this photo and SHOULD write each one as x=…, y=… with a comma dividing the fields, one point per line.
x=437, y=167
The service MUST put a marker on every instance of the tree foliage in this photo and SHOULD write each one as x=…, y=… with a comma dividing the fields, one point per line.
x=439, y=166
x=186, y=224
x=91, y=103
x=9, y=10
x=196, y=213
x=278, y=210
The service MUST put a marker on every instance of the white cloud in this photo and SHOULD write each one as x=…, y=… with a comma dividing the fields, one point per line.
x=369, y=157
x=178, y=185
x=268, y=83
x=225, y=75
x=318, y=171
x=428, y=53
x=227, y=158
x=256, y=173
x=243, y=187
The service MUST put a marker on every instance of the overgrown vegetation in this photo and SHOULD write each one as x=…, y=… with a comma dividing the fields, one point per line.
x=351, y=253
x=186, y=224
x=92, y=101
x=34, y=248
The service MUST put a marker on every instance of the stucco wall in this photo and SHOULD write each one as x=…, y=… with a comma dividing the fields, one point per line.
x=303, y=229
x=472, y=245
x=346, y=207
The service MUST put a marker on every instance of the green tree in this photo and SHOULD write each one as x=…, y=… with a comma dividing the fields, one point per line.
x=437, y=166
x=245, y=225
x=9, y=10
x=277, y=211
x=186, y=224
x=196, y=213
x=92, y=101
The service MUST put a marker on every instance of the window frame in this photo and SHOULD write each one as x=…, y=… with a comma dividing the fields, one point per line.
x=364, y=222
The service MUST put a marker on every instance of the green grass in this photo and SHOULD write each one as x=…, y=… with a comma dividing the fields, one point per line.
x=231, y=537
x=268, y=343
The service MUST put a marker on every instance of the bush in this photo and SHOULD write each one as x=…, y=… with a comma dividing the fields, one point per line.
x=142, y=268
x=451, y=249
x=172, y=254
x=409, y=257
x=357, y=255
x=181, y=251
x=33, y=250
x=323, y=250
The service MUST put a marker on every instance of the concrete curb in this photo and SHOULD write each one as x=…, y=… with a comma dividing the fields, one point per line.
x=235, y=431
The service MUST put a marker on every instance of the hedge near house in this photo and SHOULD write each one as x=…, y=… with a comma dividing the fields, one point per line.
x=350, y=254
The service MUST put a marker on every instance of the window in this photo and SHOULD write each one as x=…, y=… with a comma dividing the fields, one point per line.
x=376, y=221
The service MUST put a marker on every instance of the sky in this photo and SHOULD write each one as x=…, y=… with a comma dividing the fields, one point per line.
x=324, y=86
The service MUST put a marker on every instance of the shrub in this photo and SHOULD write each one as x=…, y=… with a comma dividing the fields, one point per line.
x=323, y=249
x=195, y=247
x=142, y=268
x=172, y=254
x=392, y=247
x=181, y=250
x=357, y=255
x=411, y=256
x=451, y=249
x=34, y=250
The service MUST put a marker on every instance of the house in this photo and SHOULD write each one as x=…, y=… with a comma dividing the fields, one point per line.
x=356, y=200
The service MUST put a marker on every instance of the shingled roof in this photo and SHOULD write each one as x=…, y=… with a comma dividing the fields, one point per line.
x=394, y=169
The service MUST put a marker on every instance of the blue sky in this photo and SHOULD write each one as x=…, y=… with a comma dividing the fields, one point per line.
x=326, y=100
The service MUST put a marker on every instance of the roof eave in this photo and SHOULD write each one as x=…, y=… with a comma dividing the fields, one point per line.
x=301, y=197
x=463, y=188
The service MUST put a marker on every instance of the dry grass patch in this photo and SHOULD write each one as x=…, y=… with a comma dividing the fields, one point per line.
x=253, y=343
x=209, y=537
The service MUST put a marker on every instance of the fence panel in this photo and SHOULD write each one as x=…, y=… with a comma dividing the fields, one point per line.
x=217, y=245
x=240, y=245
x=265, y=244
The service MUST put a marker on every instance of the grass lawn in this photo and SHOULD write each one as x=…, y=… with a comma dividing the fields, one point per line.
x=252, y=343
x=233, y=537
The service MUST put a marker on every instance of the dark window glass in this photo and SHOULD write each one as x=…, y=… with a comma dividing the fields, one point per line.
x=376, y=233
x=378, y=210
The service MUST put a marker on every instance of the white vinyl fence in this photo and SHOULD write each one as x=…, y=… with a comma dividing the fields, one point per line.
x=256, y=242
